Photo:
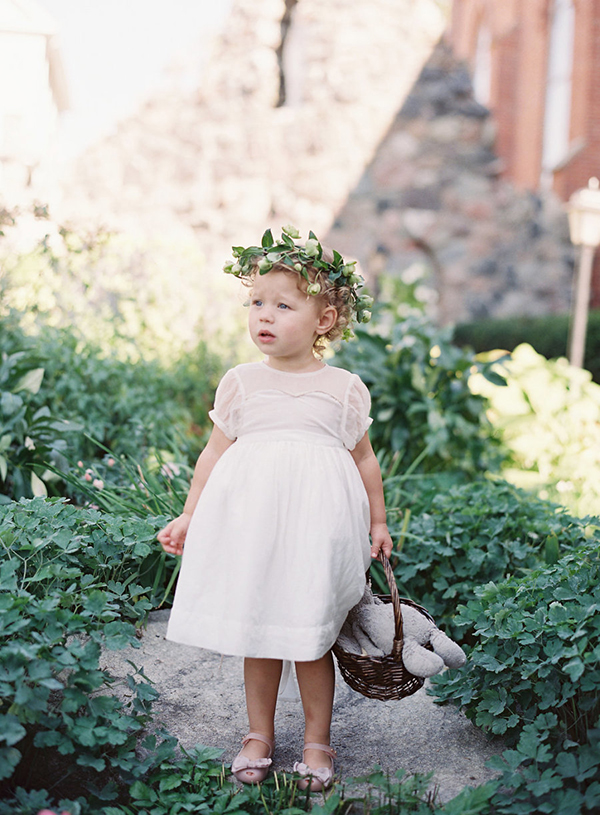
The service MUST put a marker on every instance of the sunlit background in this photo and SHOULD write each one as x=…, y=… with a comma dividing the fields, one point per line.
x=117, y=54
x=437, y=143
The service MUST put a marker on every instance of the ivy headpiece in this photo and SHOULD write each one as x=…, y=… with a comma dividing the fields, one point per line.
x=300, y=258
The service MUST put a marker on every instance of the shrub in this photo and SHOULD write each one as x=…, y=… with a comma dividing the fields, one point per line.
x=548, y=418
x=130, y=297
x=548, y=335
x=423, y=409
x=534, y=677
x=30, y=438
x=71, y=581
x=127, y=407
x=64, y=403
x=454, y=539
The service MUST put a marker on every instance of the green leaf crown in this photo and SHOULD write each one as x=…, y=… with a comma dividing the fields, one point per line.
x=300, y=258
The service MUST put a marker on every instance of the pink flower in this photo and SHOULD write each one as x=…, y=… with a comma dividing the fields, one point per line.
x=110, y=462
x=98, y=483
x=88, y=476
x=170, y=470
x=80, y=463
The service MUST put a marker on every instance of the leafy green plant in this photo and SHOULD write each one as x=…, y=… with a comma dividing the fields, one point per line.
x=127, y=407
x=534, y=678
x=133, y=298
x=70, y=582
x=75, y=404
x=548, y=419
x=451, y=539
x=121, y=485
x=423, y=409
x=538, y=649
x=548, y=335
x=30, y=438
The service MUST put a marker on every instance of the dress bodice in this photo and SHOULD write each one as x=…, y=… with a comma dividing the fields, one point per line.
x=327, y=406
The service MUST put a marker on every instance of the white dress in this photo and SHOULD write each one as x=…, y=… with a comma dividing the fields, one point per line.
x=278, y=546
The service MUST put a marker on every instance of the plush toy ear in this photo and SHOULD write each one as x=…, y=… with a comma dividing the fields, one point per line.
x=452, y=654
x=419, y=661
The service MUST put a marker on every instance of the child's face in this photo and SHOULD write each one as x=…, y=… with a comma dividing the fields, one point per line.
x=284, y=321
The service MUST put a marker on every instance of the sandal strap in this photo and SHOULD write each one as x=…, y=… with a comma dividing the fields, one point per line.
x=311, y=745
x=259, y=737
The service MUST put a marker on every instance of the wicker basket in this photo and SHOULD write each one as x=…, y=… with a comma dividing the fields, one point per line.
x=382, y=677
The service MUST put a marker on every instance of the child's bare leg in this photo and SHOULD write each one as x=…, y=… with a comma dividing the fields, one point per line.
x=261, y=678
x=317, y=685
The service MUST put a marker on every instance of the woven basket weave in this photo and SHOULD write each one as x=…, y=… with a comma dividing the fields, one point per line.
x=382, y=677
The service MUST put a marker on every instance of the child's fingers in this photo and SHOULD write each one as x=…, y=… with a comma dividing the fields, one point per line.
x=173, y=536
x=384, y=545
x=165, y=534
x=172, y=547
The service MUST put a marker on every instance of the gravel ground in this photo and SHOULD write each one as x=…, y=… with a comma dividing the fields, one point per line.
x=202, y=702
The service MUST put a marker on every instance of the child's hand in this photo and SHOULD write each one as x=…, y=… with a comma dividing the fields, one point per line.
x=172, y=537
x=381, y=540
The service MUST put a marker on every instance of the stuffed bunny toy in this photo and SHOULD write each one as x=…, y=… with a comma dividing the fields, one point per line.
x=369, y=629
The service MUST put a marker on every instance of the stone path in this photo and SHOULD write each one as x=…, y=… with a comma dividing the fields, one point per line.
x=202, y=702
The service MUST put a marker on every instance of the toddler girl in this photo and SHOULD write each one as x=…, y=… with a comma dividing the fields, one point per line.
x=283, y=499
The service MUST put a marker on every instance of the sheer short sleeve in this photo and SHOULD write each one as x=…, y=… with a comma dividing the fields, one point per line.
x=226, y=413
x=356, y=419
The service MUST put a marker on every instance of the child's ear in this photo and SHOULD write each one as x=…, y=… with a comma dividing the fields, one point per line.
x=327, y=320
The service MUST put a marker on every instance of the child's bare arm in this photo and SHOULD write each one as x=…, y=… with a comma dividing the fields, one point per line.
x=172, y=537
x=369, y=470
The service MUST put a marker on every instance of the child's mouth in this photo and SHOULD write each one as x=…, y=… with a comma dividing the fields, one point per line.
x=266, y=335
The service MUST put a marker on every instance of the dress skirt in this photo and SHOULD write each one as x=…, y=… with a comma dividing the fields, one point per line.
x=276, y=551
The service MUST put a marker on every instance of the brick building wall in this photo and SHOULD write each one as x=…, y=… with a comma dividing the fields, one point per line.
x=520, y=36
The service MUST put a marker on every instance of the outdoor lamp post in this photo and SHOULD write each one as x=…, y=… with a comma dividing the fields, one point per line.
x=584, y=226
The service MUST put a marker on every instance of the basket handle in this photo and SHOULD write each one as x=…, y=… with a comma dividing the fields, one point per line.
x=399, y=633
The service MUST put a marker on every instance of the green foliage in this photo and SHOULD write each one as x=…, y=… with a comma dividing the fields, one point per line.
x=423, y=409
x=387, y=794
x=71, y=581
x=127, y=407
x=453, y=539
x=548, y=335
x=548, y=418
x=30, y=438
x=538, y=649
x=533, y=677
x=133, y=298
x=124, y=486
x=62, y=406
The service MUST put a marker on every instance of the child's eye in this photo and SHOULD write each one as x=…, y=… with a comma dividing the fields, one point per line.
x=257, y=302
x=282, y=305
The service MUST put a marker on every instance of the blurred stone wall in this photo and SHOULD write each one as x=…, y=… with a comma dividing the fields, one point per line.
x=390, y=170
x=230, y=160
x=433, y=205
